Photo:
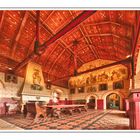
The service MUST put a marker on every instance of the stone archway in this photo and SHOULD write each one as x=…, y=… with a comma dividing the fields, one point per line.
x=113, y=101
x=117, y=93
x=91, y=99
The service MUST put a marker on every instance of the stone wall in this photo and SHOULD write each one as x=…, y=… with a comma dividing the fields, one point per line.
x=9, y=89
x=13, y=90
x=101, y=95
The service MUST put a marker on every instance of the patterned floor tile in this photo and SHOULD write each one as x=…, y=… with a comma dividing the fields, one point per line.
x=90, y=120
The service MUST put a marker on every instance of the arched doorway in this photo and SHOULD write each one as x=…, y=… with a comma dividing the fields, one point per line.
x=91, y=102
x=113, y=101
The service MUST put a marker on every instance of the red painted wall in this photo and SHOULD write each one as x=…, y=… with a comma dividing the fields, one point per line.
x=134, y=110
x=100, y=104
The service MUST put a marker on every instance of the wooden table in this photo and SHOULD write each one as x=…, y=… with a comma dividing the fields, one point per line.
x=56, y=110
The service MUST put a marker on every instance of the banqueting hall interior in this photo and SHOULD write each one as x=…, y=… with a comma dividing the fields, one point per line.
x=69, y=69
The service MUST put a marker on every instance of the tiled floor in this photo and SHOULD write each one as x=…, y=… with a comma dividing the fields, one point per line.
x=91, y=120
x=8, y=126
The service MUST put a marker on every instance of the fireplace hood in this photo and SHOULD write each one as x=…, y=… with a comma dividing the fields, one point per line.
x=33, y=87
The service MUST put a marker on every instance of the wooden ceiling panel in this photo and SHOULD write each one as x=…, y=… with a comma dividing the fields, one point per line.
x=21, y=52
x=44, y=14
x=75, y=34
x=10, y=26
x=28, y=32
x=4, y=50
x=58, y=20
x=103, y=35
x=92, y=29
x=98, y=17
x=44, y=35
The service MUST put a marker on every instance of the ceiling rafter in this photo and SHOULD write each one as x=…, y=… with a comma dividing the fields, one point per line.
x=80, y=18
x=43, y=26
x=56, y=61
x=14, y=44
x=94, y=50
x=67, y=49
x=48, y=16
x=87, y=41
x=115, y=23
x=41, y=22
x=109, y=22
x=2, y=18
x=48, y=30
x=70, y=50
x=62, y=64
x=112, y=34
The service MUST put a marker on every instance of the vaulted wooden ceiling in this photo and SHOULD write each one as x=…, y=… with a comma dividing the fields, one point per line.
x=103, y=35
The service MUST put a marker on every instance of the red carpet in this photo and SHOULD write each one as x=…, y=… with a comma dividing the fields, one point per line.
x=91, y=120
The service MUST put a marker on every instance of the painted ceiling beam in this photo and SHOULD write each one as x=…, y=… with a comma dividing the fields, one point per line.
x=2, y=18
x=56, y=61
x=124, y=61
x=14, y=45
x=110, y=34
x=110, y=22
x=84, y=15
x=88, y=40
x=68, y=49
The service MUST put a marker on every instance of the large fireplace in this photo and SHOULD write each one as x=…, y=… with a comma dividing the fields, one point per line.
x=33, y=88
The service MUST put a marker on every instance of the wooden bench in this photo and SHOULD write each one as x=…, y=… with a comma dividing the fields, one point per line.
x=35, y=110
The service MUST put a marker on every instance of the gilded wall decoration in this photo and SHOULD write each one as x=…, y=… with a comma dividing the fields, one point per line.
x=36, y=80
x=114, y=73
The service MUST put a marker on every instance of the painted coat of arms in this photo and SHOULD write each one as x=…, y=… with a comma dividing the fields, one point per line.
x=36, y=80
